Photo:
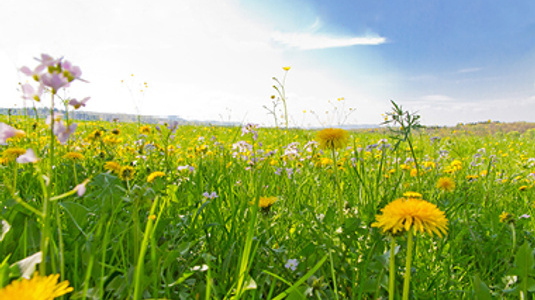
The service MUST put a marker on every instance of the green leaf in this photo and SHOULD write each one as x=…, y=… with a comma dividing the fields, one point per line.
x=481, y=291
x=523, y=262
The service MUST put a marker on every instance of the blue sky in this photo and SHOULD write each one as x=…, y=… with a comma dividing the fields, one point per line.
x=452, y=61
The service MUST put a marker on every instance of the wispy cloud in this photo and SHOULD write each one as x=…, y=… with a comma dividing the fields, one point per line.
x=309, y=41
x=469, y=70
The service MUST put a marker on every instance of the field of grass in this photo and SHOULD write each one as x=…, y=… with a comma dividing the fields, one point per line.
x=142, y=211
x=193, y=231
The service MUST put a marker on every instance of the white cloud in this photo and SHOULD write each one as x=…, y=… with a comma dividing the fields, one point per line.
x=309, y=41
x=469, y=70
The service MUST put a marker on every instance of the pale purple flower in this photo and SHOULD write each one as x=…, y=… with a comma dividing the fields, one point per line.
x=7, y=132
x=289, y=172
x=57, y=117
x=63, y=133
x=71, y=72
x=186, y=167
x=80, y=189
x=29, y=93
x=35, y=74
x=54, y=81
x=77, y=104
x=250, y=128
x=210, y=196
x=524, y=216
x=47, y=60
x=292, y=264
x=28, y=157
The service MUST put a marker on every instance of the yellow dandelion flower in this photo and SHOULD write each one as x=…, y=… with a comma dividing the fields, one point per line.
x=456, y=165
x=116, y=131
x=10, y=154
x=127, y=173
x=414, y=195
x=446, y=184
x=286, y=68
x=145, y=129
x=155, y=175
x=112, y=166
x=333, y=138
x=36, y=288
x=506, y=217
x=471, y=178
x=405, y=214
x=325, y=161
x=73, y=156
x=265, y=203
x=95, y=135
x=523, y=188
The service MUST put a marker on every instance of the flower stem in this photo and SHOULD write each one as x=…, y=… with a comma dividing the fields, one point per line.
x=338, y=187
x=392, y=275
x=408, y=263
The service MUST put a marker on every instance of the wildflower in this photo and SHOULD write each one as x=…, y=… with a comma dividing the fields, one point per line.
x=35, y=74
x=155, y=175
x=291, y=264
x=471, y=178
x=29, y=93
x=7, y=132
x=210, y=196
x=112, y=166
x=116, y=131
x=446, y=184
x=77, y=104
x=127, y=173
x=55, y=81
x=10, y=154
x=266, y=202
x=80, y=189
x=186, y=167
x=95, y=135
x=145, y=129
x=37, y=288
x=456, y=165
x=28, y=157
x=506, y=217
x=286, y=68
x=414, y=195
x=524, y=216
x=405, y=214
x=333, y=138
x=73, y=156
x=250, y=128
x=523, y=188
x=63, y=133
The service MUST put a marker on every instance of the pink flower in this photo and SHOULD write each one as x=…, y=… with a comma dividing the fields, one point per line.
x=80, y=189
x=7, y=132
x=54, y=80
x=77, y=104
x=29, y=93
x=63, y=133
x=71, y=72
x=28, y=157
x=35, y=74
x=57, y=118
x=48, y=61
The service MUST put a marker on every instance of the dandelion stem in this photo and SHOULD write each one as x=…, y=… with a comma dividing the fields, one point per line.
x=338, y=187
x=408, y=263
x=392, y=274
